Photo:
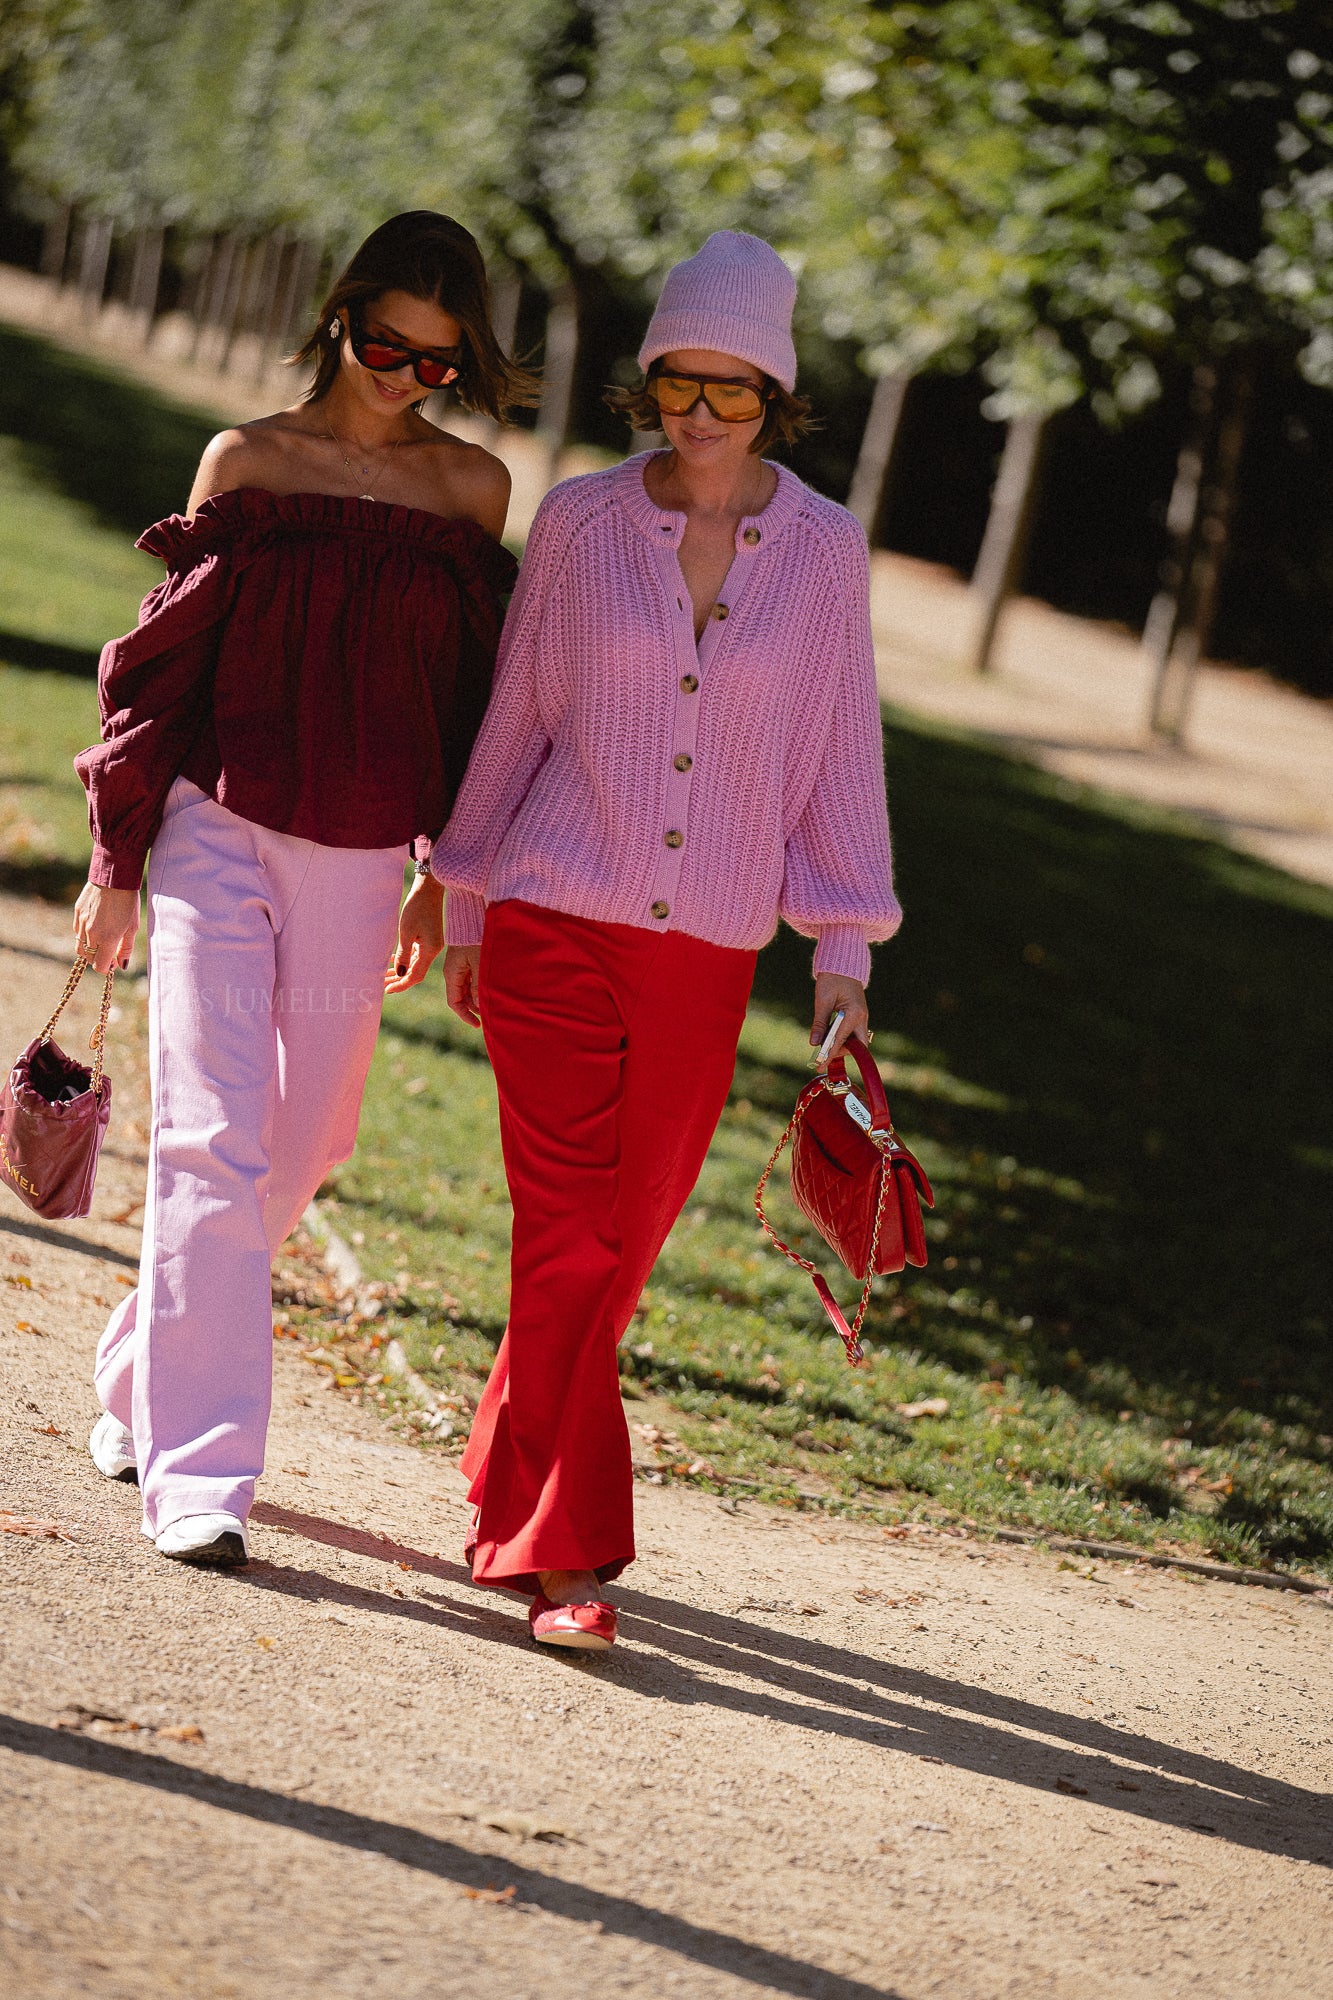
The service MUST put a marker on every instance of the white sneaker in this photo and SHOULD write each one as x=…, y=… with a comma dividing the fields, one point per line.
x=218, y=1540
x=112, y=1449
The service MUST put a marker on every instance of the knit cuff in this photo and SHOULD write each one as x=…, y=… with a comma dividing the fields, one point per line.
x=464, y=917
x=842, y=948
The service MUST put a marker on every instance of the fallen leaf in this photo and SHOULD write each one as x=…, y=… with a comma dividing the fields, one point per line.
x=867, y=1596
x=19, y=1278
x=1072, y=1790
x=26, y=1326
x=267, y=1644
x=1158, y=1881
x=493, y=1895
x=923, y=1758
x=27, y=1524
x=406, y=1566
x=182, y=1732
x=414, y=1086
x=47, y=1431
x=524, y=1826
x=1124, y=1785
x=122, y=1278
x=895, y=1534
x=297, y=1471
x=812, y=1610
x=929, y=1406
x=1128, y=1603
x=927, y=1826
x=921, y=1628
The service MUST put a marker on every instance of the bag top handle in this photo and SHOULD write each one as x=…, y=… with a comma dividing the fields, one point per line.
x=836, y=1075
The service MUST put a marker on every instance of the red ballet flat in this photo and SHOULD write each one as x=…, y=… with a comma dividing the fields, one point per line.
x=580, y=1628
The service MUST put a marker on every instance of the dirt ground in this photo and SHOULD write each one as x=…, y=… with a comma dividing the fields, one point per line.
x=822, y=1760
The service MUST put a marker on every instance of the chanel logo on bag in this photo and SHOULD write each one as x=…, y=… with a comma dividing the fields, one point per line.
x=19, y=1180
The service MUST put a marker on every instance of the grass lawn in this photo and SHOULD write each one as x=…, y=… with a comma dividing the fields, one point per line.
x=1108, y=1038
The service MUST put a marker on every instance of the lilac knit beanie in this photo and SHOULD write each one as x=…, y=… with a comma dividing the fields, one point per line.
x=736, y=296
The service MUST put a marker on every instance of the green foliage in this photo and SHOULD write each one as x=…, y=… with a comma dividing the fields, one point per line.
x=245, y=114
x=1066, y=191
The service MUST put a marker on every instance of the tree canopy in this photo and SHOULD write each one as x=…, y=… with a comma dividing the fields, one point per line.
x=1064, y=193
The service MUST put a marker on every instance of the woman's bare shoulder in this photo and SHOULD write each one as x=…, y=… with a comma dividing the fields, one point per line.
x=467, y=479
x=246, y=455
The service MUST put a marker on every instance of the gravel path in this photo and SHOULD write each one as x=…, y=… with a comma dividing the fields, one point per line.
x=823, y=1760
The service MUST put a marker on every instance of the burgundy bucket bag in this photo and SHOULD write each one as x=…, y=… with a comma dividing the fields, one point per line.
x=53, y=1115
x=854, y=1179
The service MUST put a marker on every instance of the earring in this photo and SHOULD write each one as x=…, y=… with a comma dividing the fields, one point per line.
x=335, y=328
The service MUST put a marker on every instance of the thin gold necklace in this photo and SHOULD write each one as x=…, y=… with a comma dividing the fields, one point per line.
x=350, y=469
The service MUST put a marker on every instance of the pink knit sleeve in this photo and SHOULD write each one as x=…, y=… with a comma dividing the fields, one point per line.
x=838, y=883
x=510, y=749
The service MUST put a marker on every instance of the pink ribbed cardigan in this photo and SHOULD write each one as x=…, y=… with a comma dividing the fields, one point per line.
x=626, y=775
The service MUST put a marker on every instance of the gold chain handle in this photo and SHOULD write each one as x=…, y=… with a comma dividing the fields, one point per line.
x=97, y=1039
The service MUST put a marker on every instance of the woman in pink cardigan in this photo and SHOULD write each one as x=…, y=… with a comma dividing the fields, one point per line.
x=683, y=745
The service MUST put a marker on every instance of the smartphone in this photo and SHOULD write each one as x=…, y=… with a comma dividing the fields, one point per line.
x=822, y=1054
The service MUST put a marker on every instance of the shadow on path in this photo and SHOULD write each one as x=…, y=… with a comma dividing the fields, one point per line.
x=831, y=1690
x=620, y=1916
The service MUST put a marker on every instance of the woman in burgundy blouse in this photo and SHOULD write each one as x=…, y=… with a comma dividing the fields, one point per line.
x=296, y=705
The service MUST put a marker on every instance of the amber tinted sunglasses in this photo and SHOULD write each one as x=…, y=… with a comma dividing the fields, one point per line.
x=383, y=357
x=730, y=402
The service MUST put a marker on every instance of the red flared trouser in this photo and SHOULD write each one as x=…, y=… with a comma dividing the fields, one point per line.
x=613, y=1049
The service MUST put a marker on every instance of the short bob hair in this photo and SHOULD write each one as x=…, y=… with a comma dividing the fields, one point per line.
x=786, y=416
x=431, y=257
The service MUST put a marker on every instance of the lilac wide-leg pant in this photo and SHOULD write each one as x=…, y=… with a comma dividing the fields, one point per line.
x=266, y=972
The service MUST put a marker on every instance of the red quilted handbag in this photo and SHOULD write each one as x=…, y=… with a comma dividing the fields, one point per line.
x=852, y=1176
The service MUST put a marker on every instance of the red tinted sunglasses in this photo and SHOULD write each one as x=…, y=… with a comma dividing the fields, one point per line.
x=384, y=357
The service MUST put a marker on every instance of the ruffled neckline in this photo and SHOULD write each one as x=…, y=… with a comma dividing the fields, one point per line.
x=249, y=512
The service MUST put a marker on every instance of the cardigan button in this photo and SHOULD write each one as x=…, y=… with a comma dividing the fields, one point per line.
x=675, y=838
x=719, y=612
x=751, y=538
x=661, y=911
x=684, y=761
x=689, y=683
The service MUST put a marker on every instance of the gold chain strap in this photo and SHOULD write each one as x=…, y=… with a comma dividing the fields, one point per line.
x=97, y=1039
x=802, y=1106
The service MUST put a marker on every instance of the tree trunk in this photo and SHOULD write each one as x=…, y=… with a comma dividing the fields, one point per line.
x=217, y=293
x=874, y=461
x=999, y=565
x=145, y=276
x=55, y=244
x=561, y=357
x=1182, y=522
x=276, y=247
x=294, y=300
x=1175, y=686
x=94, y=259
x=506, y=297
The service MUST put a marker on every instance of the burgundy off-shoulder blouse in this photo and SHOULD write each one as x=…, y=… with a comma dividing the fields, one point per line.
x=318, y=665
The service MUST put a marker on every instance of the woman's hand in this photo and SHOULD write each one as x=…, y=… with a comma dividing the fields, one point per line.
x=420, y=935
x=834, y=991
x=462, y=981
x=106, y=922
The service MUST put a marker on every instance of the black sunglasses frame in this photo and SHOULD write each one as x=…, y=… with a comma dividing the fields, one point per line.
x=703, y=383
x=360, y=339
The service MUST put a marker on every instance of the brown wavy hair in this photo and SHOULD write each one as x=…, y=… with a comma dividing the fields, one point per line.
x=786, y=415
x=432, y=257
